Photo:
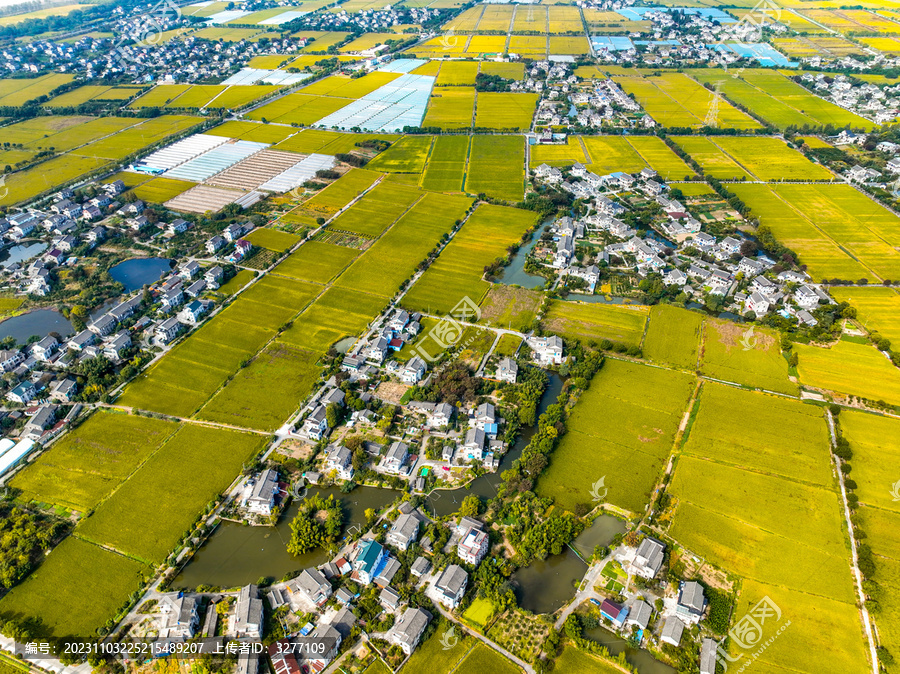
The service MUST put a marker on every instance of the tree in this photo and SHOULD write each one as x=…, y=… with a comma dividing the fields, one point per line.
x=332, y=415
x=471, y=506
x=318, y=523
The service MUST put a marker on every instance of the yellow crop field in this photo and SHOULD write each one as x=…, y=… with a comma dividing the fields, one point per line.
x=849, y=368
x=612, y=153
x=527, y=45
x=530, y=19
x=794, y=229
x=496, y=18
x=565, y=20
x=511, y=71
x=710, y=156
x=569, y=45
x=450, y=108
x=771, y=159
x=559, y=155
x=660, y=157
x=467, y=21
x=486, y=44
x=504, y=110
x=878, y=309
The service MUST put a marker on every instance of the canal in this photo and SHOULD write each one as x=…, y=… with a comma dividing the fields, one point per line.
x=640, y=659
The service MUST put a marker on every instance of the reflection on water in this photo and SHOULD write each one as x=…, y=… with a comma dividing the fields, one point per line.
x=40, y=322
x=21, y=252
x=544, y=586
x=601, y=532
x=638, y=658
x=238, y=554
x=137, y=273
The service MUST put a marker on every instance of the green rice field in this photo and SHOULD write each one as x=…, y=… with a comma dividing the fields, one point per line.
x=593, y=322
x=673, y=336
x=497, y=167
x=458, y=271
x=641, y=408
x=777, y=523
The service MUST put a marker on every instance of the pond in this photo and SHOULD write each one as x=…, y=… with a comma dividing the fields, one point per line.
x=344, y=345
x=136, y=273
x=638, y=658
x=40, y=322
x=601, y=532
x=514, y=273
x=237, y=554
x=598, y=299
x=21, y=252
x=544, y=586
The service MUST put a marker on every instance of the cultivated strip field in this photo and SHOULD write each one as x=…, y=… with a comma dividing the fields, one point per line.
x=640, y=408
x=458, y=272
x=777, y=523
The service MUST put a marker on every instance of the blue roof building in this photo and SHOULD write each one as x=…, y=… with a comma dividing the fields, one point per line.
x=370, y=561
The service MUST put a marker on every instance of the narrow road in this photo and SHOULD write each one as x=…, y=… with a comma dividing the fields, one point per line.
x=854, y=566
x=583, y=595
x=487, y=642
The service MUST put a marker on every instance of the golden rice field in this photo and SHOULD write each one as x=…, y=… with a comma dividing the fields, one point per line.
x=848, y=368
x=878, y=309
x=675, y=100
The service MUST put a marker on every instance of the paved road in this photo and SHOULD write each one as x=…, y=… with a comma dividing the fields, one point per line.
x=590, y=579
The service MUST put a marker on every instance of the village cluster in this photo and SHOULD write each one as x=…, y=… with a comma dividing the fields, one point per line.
x=677, y=249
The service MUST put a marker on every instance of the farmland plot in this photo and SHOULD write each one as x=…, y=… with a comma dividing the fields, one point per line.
x=733, y=353
x=395, y=256
x=458, y=271
x=149, y=514
x=381, y=206
x=641, y=408
x=497, y=167
x=595, y=322
x=850, y=369
x=317, y=262
x=88, y=463
x=776, y=522
x=673, y=336
x=407, y=155
x=447, y=166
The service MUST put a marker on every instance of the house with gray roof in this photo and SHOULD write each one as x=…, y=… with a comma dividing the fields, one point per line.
x=262, y=497
x=404, y=531
x=407, y=631
x=389, y=598
x=451, y=586
x=691, y=601
x=178, y=617
x=507, y=370
x=248, y=614
x=387, y=573
x=420, y=567
x=708, y=656
x=649, y=558
x=639, y=614
x=311, y=586
x=672, y=630
x=396, y=456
